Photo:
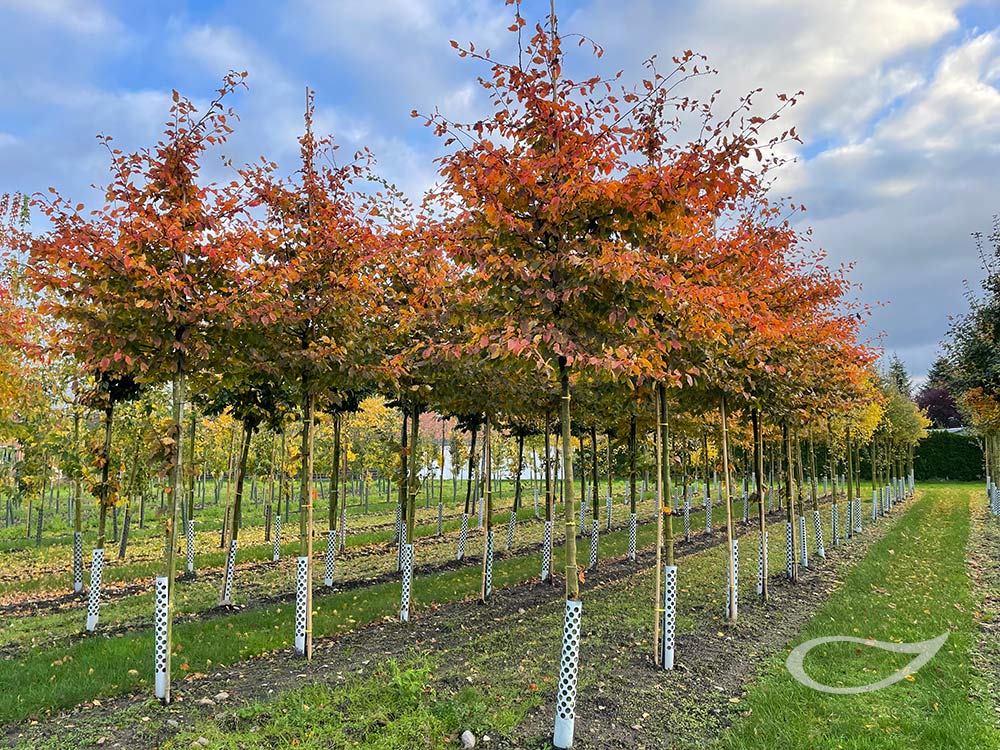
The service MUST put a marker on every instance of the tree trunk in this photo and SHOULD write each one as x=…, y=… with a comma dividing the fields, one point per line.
x=733, y=588
x=164, y=615
x=241, y=468
x=572, y=582
x=758, y=462
x=472, y=469
x=413, y=481
x=304, y=598
x=658, y=494
x=485, y=587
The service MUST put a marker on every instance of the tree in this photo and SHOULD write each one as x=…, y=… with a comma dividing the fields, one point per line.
x=144, y=285
x=535, y=211
x=940, y=407
x=898, y=376
x=317, y=274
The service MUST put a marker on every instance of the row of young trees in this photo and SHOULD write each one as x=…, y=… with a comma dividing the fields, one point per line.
x=969, y=369
x=595, y=253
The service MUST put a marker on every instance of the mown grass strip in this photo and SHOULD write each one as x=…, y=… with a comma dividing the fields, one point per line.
x=912, y=586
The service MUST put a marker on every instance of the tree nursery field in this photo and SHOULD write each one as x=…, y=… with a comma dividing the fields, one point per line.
x=585, y=447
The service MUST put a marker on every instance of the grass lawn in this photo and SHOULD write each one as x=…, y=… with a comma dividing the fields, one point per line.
x=912, y=586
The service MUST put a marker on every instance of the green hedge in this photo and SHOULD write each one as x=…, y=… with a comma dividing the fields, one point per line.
x=948, y=455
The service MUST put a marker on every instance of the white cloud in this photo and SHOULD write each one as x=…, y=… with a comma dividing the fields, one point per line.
x=72, y=15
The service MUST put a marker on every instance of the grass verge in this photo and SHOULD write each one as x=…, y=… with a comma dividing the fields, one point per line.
x=912, y=586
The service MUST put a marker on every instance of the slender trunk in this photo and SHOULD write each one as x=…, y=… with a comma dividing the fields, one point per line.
x=105, y=477
x=484, y=592
x=77, y=509
x=335, y=472
x=732, y=615
x=404, y=438
x=549, y=499
x=850, y=479
x=226, y=520
x=190, y=490
x=814, y=489
x=610, y=479
x=520, y=469
x=658, y=576
x=790, y=498
x=41, y=503
x=801, y=475
x=413, y=480
x=413, y=484
x=234, y=536
x=596, y=510
x=572, y=582
x=306, y=506
x=708, y=489
x=170, y=532
x=269, y=509
x=632, y=449
x=472, y=469
x=758, y=462
x=668, y=497
x=129, y=492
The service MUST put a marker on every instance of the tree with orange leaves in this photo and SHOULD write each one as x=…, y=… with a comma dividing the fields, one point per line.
x=541, y=226
x=143, y=287
x=315, y=276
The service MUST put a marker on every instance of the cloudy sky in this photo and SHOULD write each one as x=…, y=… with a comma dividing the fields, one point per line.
x=900, y=118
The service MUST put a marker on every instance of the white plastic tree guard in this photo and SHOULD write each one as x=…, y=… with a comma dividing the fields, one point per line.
x=301, y=595
x=331, y=557
x=733, y=585
x=227, y=585
x=583, y=512
x=803, y=545
x=789, y=551
x=94, y=601
x=463, y=535
x=189, y=534
x=818, y=529
x=669, y=615
x=746, y=507
x=161, y=603
x=834, y=525
x=594, y=539
x=761, y=562
x=849, y=528
x=511, y=526
x=488, y=585
x=708, y=510
x=857, y=515
x=632, y=536
x=547, y=551
x=77, y=562
x=404, y=600
x=562, y=736
x=276, y=553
